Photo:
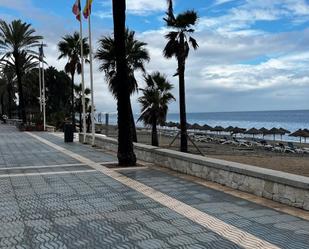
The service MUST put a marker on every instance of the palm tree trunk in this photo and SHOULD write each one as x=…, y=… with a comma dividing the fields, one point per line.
x=154, y=135
x=125, y=154
x=21, y=105
x=72, y=97
x=182, y=98
x=133, y=128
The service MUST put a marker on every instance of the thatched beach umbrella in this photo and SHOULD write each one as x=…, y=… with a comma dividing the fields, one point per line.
x=306, y=134
x=300, y=133
x=196, y=126
x=206, y=127
x=218, y=129
x=229, y=129
x=275, y=131
x=283, y=132
x=170, y=124
x=238, y=130
x=188, y=126
x=264, y=131
x=253, y=131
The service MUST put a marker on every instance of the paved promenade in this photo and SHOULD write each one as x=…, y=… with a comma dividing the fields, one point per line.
x=56, y=195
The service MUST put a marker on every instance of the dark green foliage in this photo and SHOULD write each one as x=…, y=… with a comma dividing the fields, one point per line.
x=70, y=48
x=58, y=91
x=154, y=102
x=17, y=43
x=7, y=76
x=136, y=57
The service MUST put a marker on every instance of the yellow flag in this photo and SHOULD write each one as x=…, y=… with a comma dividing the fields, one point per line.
x=87, y=9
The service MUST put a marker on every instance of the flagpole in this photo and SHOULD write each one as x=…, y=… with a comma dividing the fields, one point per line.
x=44, y=100
x=40, y=84
x=91, y=83
x=83, y=80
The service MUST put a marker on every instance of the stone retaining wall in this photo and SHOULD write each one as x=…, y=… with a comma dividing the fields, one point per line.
x=282, y=187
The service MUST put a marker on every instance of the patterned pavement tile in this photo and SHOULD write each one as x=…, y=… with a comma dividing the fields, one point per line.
x=93, y=210
x=250, y=217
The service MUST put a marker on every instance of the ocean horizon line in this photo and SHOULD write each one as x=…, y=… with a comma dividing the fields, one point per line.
x=301, y=110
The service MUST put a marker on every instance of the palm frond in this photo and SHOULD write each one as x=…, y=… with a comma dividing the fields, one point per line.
x=170, y=18
x=70, y=48
x=193, y=42
x=136, y=56
x=155, y=99
x=186, y=19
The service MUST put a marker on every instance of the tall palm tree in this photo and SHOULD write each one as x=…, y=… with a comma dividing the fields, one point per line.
x=178, y=46
x=78, y=102
x=125, y=154
x=154, y=102
x=136, y=56
x=16, y=39
x=70, y=48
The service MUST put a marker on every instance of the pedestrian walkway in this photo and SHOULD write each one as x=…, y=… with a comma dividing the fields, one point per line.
x=56, y=195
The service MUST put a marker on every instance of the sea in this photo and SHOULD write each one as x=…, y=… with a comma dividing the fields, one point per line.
x=290, y=120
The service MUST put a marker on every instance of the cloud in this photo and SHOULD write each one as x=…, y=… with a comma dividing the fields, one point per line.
x=236, y=67
x=17, y=4
x=221, y=69
x=245, y=15
x=143, y=7
x=219, y=2
x=136, y=7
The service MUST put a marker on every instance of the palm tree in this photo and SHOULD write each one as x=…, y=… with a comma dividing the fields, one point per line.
x=136, y=56
x=78, y=102
x=16, y=39
x=125, y=154
x=70, y=48
x=178, y=45
x=154, y=102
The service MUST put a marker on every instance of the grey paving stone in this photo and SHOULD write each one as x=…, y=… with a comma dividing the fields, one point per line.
x=255, y=219
x=91, y=210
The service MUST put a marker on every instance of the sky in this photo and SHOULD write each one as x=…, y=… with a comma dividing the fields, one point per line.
x=252, y=55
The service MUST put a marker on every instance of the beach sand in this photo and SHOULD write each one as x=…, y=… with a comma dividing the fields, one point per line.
x=287, y=162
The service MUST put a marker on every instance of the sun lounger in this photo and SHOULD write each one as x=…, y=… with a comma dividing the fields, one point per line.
x=277, y=149
x=230, y=142
x=268, y=147
x=291, y=146
x=287, y=149
x=297, y=150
